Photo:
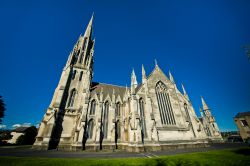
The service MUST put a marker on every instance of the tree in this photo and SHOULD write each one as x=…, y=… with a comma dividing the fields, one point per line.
x=20, y=140
x=5, y=135
x=2, y=109
x=28, y=138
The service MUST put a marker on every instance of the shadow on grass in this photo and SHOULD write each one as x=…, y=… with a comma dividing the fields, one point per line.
x=177, y=162
x=245, y=151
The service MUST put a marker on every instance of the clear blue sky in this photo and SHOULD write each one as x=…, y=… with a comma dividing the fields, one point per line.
x=199, y=41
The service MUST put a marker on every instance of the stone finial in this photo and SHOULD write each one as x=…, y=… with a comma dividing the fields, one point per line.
x=156, y=64
x=133, y=79
x=171, y=77
x=204, y=104
x=184, y=92
x=143, y=72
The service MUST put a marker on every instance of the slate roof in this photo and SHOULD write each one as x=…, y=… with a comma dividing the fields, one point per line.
x=107, y=90
x=242, y=114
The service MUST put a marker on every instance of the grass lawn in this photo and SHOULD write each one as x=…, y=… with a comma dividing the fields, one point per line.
x=235, y=157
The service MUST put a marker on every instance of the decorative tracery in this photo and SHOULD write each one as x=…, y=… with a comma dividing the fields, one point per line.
x=164, y=104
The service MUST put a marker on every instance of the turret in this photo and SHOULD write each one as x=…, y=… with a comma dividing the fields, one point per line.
x=184, y=92
x=205, y=107
x=133, y=82
x=171, y=77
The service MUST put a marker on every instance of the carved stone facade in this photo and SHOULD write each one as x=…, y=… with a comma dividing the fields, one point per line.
x=153, y=115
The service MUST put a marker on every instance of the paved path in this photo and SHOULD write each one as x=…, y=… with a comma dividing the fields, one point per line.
x=27, y=152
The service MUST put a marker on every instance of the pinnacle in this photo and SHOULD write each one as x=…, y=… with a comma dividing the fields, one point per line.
x=204, y=104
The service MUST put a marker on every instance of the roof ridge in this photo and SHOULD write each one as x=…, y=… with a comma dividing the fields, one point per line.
x=112, y=84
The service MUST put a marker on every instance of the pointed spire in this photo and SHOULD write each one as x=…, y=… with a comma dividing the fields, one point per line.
x=201, y=112
x=143, y=72
x=171, y=77
x=184, y=92
x=183, y=89
x=133, y=82
x=156, y=64
x=204, y=104
x=133, y=79
x=89, y=27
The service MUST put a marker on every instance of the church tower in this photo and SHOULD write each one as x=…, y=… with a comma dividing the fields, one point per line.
x=149, y=115
x=209, y=123
x=63, y=124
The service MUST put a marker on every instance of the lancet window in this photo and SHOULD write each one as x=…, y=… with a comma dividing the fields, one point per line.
x=105, y=119
x=118, y=109
x=72, y=98
x=90, y=128
x=142, y=114
x=92, y=107
x=164, y=104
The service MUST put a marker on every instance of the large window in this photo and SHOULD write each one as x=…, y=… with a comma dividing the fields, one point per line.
x=74, y=75
x=92, y=107
x=164, y=104
x=142, y=114
x=72, y=98
x=118, y=109
x=105, y=119
x=118, y=129
x=90, y=128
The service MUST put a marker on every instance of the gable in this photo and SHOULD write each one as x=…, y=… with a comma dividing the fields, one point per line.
x=156, y=76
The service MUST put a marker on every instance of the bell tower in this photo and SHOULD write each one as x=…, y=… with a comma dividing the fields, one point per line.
x=64, y=121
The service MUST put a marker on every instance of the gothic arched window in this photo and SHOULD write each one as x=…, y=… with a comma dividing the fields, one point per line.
x=187, y=114
x=84, y=44
x=164, y=104
x=90, y=128
x=142, y=114
x=80, y=77
x=92, y=107
x=74, y=75
x=72, y=98
x=118, y=109
x=118, y=129
x=105, y=119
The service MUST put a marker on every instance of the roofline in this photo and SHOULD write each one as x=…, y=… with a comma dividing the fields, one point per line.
x=110, y=84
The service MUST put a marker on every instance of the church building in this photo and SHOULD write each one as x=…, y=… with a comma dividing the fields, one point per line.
x=151, y=116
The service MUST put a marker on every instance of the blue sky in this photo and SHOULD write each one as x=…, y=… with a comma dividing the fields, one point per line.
x=199, y=41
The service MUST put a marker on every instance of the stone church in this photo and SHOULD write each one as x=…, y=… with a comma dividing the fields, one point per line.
x=153, y=115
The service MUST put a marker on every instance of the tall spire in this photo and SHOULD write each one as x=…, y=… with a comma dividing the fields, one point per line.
x=88, y=31
x=184, y=92
x=204, y=104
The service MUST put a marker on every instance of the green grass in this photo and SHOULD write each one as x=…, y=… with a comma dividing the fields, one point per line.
x=220, y=157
